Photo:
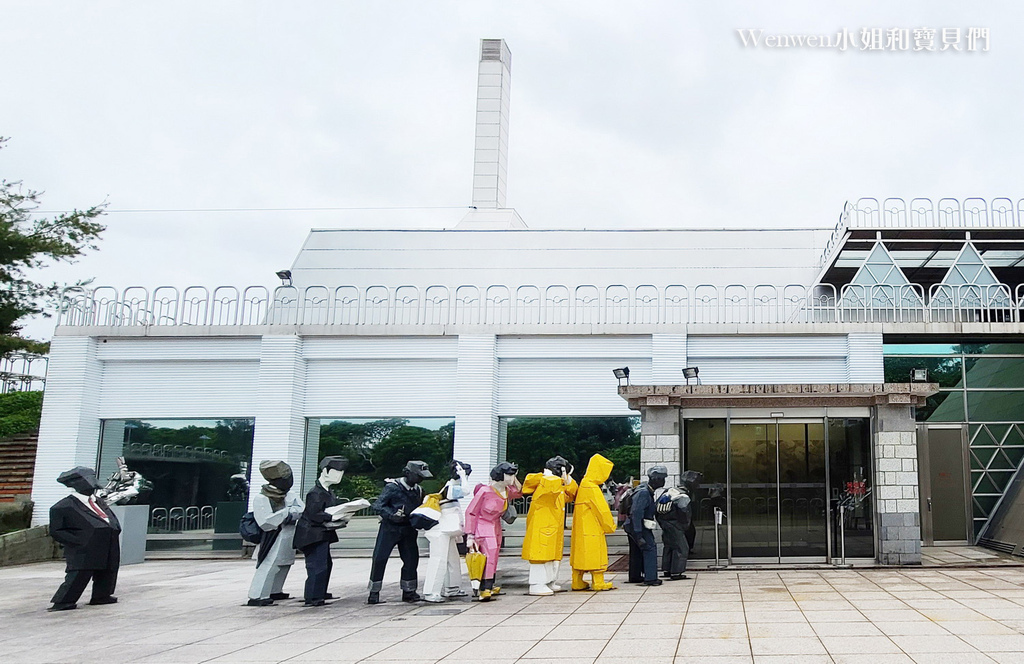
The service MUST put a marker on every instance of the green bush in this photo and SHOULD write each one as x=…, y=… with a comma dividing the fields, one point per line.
x=15, y=516
x=20, y=412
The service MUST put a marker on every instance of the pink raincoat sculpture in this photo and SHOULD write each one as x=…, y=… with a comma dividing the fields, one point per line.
x=483, y=519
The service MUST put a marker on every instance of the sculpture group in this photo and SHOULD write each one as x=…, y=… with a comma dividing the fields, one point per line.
x=458, y=521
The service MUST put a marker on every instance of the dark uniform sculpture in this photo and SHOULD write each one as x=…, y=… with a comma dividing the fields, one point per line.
x=90, y=534
x=316, y=530
x=674, y=513
x=394, y=505
x=639, y=527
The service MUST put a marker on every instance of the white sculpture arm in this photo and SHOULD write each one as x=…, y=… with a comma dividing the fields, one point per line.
x=265, y=515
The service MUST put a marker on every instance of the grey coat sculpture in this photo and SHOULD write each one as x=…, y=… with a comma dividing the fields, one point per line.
x=276, y=510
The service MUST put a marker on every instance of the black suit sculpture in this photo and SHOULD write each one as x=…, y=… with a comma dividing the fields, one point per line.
x=90, y=534
x=316, y=530
x=394, y=505
x=639, y=527
x=675, y=516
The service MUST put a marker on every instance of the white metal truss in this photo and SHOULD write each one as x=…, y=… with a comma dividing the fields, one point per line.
x=997, y=452
x=969, y=284
x=880, y=284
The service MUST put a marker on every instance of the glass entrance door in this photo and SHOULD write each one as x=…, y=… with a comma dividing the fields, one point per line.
x=754, y=464
x=779, y=500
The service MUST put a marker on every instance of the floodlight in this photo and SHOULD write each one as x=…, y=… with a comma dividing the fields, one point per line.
x=621, y=373
x=285, y=276
x=918, y=375
x=691, y=372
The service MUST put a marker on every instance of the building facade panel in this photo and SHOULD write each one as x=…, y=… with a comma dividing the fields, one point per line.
x=478, y=430
x=729, y=360
x=341, y=348
x=280, y=431
x=541, y=387
x=576, y=346
x=133, y=349
x=179, y=388
x=864, y=358
x=668, y=358
x=380, y=388
x=69, y=430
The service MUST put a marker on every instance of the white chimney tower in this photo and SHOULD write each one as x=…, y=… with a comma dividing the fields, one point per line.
x=490, y=164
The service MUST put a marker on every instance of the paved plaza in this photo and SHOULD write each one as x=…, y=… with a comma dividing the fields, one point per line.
x=188, y=612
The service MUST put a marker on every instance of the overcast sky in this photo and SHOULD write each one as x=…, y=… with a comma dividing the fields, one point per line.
x=623, y=115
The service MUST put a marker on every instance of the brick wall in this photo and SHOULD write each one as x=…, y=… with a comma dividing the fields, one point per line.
x=17, y=463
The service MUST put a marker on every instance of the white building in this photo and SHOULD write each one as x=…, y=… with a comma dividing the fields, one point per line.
x=493, y=321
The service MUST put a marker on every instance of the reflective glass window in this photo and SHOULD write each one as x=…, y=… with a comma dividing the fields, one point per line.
x=198, y=471
x=379, y=449
x=995, y=406
x=943, y=407
x=920, y=349
x=946, y=371
x=993, y=348
x=995, y=372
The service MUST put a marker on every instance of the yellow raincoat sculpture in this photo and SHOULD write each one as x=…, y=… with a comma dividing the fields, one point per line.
x=544, y=541
x=591, y=521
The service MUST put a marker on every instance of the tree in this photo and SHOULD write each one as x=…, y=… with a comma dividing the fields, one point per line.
x=356, y=441
x=532, y=441
x=28, y=242
x=626, y=460
x=406, y=443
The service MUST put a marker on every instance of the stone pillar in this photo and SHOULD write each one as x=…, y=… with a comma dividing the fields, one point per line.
x=280, y=430
x=896, y=485
x=477, y=439
x=660, y=443
x=69, y=431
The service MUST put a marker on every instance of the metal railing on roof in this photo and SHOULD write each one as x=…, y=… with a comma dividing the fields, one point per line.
x=583, y=306
x=923, y=213
x=21, y=371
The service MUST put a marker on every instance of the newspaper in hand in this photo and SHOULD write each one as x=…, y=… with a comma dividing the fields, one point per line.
x=346, y=510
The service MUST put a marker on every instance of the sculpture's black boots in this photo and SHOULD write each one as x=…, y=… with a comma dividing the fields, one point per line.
x=374, y=597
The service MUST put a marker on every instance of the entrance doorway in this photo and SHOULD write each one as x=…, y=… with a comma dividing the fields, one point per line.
x=779, y=482
x=779, y=495
x=945, y=495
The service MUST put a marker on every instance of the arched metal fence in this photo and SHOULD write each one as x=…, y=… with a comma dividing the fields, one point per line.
x=948, y=213
x=555, y=305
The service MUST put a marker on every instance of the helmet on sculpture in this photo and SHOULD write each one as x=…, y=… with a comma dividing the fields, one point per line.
x=656, y=476
x=416, y=471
